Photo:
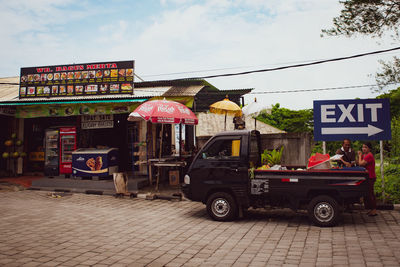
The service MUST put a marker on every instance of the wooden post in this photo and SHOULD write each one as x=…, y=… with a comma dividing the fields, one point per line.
x=323, y=147
x=225, y=121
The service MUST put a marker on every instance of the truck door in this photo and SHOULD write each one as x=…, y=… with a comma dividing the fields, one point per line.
x=220, y=165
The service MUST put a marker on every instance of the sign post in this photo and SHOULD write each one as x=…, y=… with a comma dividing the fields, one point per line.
x=382, y=178
x=355, y=119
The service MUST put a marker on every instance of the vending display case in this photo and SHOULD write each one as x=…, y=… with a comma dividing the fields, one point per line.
x=51, y=155
x=67, y=146
x=95, y=162
x=133, y=146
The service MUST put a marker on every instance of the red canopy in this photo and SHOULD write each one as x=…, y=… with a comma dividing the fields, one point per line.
x=164, y=111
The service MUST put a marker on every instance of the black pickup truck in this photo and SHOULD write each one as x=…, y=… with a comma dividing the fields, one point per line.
x=220, y=177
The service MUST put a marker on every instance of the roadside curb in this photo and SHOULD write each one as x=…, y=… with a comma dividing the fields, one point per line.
x=74, y=190
x=146, y=196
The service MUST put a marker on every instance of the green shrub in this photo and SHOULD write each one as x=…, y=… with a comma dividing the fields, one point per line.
x=392, y=183
x=272, y=157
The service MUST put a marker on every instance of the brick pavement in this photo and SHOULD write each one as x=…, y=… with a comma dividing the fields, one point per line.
x=93, y=230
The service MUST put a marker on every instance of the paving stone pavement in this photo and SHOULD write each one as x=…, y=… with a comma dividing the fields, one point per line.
x=39, y=229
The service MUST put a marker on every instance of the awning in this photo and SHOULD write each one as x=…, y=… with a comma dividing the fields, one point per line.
x=75, y=108
x=71, y=102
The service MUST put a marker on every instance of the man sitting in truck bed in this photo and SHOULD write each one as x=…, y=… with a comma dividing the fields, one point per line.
x=349, y=156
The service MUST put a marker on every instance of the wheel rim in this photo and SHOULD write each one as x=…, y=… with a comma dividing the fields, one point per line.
x=324, y=212
x=220, y=207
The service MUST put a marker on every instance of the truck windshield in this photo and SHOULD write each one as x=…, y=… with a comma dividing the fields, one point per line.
x=222, y=149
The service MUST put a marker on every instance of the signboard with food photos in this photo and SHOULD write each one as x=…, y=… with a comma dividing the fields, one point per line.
x=78, y=79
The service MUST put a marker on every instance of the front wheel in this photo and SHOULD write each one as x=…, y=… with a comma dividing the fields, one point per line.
x=324, y=211
x=221, y=206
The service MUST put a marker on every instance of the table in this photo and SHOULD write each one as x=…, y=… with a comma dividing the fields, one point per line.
x=163, y=163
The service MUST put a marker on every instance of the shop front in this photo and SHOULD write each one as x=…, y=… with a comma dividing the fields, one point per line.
x=58, y=110
x=51, y=140
x=63, y=108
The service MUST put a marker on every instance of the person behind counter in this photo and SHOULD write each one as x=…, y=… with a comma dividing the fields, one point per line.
x=366, y=159
x=349, y=156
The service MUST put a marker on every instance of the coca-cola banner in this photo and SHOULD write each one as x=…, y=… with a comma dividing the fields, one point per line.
x=114, y=77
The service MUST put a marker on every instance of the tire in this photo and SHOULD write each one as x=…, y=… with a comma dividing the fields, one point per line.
x=324, y=211
x=221, y=206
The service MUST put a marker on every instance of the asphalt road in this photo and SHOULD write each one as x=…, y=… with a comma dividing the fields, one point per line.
x=40, y=229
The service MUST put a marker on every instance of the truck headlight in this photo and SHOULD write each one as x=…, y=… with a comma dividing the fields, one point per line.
x=186, y=179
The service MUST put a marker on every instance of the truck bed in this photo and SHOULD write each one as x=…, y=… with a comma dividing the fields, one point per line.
x=347, y=184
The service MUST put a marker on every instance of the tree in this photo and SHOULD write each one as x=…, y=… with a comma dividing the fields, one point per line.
x=289, y=120
x=373, y=18
x=368, y=17
x=394, y=143
x=394, y=98
x=390, y=72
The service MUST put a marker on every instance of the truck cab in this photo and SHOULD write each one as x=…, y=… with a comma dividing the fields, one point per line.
x=221, y=166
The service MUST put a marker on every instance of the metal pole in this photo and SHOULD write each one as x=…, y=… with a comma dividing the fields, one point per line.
x=159, y=157
x=180, y=140
x=323, y=147
x=382, y=176
x=194, y=126
x=133, y=148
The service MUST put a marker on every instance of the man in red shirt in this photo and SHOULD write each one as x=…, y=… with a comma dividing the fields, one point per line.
x=366, y=159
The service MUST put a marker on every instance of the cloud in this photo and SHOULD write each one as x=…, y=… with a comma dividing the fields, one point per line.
x=38, y=32
x=179, y=36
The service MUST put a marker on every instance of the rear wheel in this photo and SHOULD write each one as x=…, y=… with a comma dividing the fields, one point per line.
x=221, y=206
x=324, y=211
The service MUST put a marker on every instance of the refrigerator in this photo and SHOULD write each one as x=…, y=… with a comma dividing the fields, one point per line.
x=95, y=162
x=67, y=146
x=51, y=153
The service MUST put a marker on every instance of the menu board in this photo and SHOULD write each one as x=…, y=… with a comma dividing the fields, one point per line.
x=78, y=79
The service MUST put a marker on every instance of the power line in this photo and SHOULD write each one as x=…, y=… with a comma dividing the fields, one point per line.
x=288, y=91
x=293, y=66
x=317, y=89
x=237, y=67
x=274, y=69
x=144, y=90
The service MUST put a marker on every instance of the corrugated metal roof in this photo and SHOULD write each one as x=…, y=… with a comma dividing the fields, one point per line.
x=150, y=91
x=9, y=88
x=77, y=101
x=190, y=90
x=180, y=82
x=9, y=91
x=237, y=91
x=137, y=93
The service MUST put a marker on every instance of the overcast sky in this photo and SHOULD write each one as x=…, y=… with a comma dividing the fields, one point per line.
x=171, y=39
